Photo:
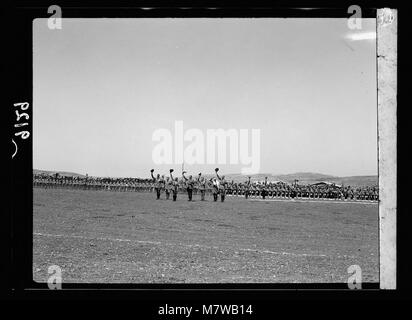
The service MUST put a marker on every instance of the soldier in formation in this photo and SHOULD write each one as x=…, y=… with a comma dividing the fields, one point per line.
x=216, y=186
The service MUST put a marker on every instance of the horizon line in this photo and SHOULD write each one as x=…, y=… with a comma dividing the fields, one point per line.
x=228, y=174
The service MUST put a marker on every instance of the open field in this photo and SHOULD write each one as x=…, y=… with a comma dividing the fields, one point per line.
x=123, y=237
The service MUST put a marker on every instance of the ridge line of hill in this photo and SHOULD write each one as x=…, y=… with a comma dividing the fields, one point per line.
x=302, y=177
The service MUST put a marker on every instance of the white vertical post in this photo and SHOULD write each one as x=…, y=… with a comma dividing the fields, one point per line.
x=387, y=130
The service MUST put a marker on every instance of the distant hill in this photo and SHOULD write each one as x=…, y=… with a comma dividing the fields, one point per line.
x=303, y=177
x=358, y=181
x=62, y=173
x=307, y=178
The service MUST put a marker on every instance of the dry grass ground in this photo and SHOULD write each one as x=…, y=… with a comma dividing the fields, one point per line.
x=122, y=237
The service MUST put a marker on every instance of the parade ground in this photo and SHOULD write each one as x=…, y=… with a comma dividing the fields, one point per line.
x=129, y=237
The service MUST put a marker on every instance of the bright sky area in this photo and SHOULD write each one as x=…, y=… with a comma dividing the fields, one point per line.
x=103, y=86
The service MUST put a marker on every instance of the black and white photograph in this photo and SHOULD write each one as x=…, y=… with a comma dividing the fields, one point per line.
x=205, y=151
x=183, y=154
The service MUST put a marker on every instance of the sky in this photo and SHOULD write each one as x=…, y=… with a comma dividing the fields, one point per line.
x=102, y=87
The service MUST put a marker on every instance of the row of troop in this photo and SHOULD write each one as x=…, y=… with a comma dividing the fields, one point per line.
x=309, y=192
x=171, y=185
x=264, y=189
x=215, y=186
x=92, y=183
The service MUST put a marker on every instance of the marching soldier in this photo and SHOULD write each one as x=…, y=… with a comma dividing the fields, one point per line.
x=264, y=188
x=215, y=188
x=222, y=185
x=168, y=187
x=175, y=185
x=235, y=189
x=159, y=182
x=202, y=183
x=247, y=188
x=189, y=185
